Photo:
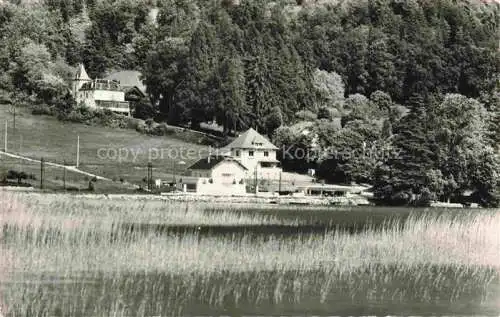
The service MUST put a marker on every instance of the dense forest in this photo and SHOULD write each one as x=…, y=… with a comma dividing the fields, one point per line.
x=403, y=95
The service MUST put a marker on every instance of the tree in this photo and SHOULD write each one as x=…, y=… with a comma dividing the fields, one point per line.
x=294, y=149
x=164, y=73
x=462, y=145
x=403, y=179
x=231, y=110
x=274, y=120
x=110, y=37
x=330, y=89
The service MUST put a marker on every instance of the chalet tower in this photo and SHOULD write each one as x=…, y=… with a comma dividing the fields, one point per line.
x=81, y=77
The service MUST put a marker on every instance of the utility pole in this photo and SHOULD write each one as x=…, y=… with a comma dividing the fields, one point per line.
x=14, y=117
x=41, y=172
x=78, y=151
x=64, y=175
x=279, y=185
x=173, y=173
x=150, y=176
x=5, y=138
x=256, y=185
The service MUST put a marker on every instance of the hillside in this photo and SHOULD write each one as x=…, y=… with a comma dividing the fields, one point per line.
x=112, y=153
x=402, y=95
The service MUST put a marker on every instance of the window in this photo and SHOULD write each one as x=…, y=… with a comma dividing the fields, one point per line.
x=227, y=174
x=266, y=153
x=237, y=153
x=250, y=153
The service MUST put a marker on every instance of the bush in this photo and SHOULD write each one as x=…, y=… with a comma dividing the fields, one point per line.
x=141, y=127
x=19, y=176
x=73, y=116
x=42, y=109
x=132, y=123
x=306, y=115
x=324, y=113
x=143, y=109
x=160, y=129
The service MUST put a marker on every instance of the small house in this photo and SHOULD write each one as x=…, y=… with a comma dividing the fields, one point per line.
x=256, y=153
x=131, y=83
x=216, y=175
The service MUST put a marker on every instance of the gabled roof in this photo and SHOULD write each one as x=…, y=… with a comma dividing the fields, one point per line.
x=81, y=73
x=209, y=163
x=251, y=139
x=128, y=79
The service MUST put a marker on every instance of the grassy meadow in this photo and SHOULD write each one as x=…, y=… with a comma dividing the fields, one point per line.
x=72, y=256
x=56, y=141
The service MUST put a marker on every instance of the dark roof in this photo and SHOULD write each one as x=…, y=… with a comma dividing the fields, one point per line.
x=81, y=73
x=209, y=164
x=128, y=79
x=251, y=139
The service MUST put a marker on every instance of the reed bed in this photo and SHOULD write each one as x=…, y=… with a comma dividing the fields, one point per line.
x=69, y=258
x=70, y=211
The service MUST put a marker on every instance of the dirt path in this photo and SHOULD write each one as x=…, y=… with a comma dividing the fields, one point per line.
x=69, y=168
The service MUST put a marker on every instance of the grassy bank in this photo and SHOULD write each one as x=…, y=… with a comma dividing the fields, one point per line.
x=442, y=261
x=114, y=153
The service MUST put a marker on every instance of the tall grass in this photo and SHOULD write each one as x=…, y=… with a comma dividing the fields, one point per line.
x=101, y=271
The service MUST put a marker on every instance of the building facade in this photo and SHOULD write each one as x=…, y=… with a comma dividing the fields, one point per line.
x=257, y=154
x=99, y=93
x=216, y=175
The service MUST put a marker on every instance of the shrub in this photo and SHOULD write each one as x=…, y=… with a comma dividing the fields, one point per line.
x=19, y=176
x=141, y=127
x=42, y=109
x=161, y=129
x=324, y=113
x=143, y=109
x=73, y=116
x=306, y=115
x=132, y=123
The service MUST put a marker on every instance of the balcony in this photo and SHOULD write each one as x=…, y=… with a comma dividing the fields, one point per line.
x=113, y=105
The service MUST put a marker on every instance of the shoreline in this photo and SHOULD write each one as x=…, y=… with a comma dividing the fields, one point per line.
x=266, y=199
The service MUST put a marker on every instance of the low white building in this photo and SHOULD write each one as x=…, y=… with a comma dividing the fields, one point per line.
x=216, y=175
x=256, y=153
x=99, y=93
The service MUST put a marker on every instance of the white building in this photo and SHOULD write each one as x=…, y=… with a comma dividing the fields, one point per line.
x=99, y=93
x=257, y=154
x=216, y=175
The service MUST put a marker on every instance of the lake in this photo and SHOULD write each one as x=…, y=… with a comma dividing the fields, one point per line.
x=240, y=261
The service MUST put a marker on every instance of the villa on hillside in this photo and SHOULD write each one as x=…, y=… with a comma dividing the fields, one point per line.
x=99, y=93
